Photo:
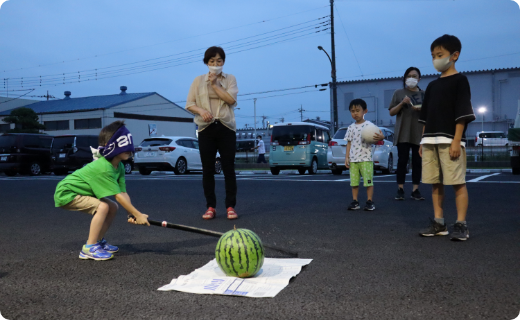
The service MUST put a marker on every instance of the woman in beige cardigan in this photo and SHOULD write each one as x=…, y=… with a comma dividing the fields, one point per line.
x=212, y=98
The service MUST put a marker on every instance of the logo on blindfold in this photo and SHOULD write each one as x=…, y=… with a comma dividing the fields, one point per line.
x=122, y=141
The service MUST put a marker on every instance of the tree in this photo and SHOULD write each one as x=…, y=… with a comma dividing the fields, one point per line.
x=25, y=120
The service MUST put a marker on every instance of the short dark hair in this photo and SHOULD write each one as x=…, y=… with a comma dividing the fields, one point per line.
x=259, y=136
x=212, y=52
x=448, y=42
x=358, y=102
x=108, y=131
x=407, y=72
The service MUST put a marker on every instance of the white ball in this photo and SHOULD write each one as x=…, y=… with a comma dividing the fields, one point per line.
x=367, y=133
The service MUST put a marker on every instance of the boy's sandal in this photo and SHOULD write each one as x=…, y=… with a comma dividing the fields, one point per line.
x=210, y=214
x=231, y=214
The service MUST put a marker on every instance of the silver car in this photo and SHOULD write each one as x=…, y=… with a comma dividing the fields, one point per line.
x=491, y=138
x=177, y=154
x=384, y=153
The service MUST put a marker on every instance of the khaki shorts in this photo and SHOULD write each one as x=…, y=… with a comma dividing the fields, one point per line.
x=439, y=168
x=85, y=204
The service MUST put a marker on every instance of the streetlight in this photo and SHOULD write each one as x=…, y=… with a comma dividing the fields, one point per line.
x=482, y=110
x=334, y=112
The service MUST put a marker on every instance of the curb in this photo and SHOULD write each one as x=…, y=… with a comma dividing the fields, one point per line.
x=255, y=172
x=281, y=172
x=488, y=170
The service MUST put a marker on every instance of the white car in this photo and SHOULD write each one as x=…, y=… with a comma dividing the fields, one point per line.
x=491, y=138
x=177, y=154
x=384, y=153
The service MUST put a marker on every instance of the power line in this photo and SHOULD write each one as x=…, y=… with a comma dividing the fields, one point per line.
x=350, y=43
x=99, y=73
x=132, y=71
x=17, y=97
x=146, y=46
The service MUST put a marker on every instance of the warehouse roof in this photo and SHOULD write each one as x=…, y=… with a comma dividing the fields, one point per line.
x=428, y=75
x=82, y=104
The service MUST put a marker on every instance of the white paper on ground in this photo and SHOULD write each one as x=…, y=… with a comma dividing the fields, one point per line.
x=267, y=283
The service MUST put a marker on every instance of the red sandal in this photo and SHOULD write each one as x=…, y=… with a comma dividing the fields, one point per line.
x=210, y=214
x=231, y=214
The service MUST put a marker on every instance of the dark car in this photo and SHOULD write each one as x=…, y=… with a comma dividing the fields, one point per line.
x=25, y=153
x=72, y=152
x=245, y=145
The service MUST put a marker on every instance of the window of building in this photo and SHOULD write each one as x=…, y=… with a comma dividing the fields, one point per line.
x=87, y=123
x=56, y=125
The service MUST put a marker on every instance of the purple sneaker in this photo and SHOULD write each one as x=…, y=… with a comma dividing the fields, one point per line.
x=95, y=252
x=108, y=247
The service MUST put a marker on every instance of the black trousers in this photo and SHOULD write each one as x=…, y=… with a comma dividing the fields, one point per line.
x=217, y=137
x=261, y=158
x=403, y=152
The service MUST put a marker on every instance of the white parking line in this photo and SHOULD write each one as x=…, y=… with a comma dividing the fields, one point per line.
x=482, y=177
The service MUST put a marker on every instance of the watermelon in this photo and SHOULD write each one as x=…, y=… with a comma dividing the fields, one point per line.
x=240, y=253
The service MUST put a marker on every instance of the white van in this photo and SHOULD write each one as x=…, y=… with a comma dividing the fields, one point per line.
x=491, y=138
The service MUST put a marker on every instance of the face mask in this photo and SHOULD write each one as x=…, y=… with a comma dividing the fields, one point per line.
x=411, y=83
x=215, y=70
x=442, y=64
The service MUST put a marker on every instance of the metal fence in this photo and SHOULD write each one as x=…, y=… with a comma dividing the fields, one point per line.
x=488, y=153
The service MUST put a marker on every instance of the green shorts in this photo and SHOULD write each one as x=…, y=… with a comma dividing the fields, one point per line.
x=365, y=169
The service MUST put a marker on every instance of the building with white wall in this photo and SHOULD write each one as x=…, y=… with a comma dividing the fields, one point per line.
x=87, y=115
x=497, y=90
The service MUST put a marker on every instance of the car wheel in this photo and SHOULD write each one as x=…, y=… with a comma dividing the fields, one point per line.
x=275, y=171
x=128, y=168
x=301, y=170
x=337, y=172
x=218, y=166
x=180, y=166
x=10, y=173
x=314, y=167
x=389, y=165
x=144, y=171
x=35, y=169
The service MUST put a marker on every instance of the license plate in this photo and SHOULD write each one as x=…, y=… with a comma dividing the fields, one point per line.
x=3, y=159
x=288, y=148
x=150, y=154
x=62, y=155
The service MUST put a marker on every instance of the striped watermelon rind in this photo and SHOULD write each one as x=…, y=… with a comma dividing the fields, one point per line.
x=240, y=253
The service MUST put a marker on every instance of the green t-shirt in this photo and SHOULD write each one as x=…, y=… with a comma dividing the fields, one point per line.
x=98, y=179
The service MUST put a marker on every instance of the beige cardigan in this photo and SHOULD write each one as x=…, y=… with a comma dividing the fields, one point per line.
x=198, y=96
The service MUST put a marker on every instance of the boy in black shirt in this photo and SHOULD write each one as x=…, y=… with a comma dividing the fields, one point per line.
x=445, y=113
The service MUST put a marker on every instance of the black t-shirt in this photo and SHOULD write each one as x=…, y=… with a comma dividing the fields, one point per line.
x=446, y=101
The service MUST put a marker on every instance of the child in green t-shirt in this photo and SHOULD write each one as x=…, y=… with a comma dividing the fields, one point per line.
x=87, y=189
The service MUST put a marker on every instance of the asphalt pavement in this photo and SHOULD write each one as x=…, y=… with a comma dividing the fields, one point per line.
x=366, y=265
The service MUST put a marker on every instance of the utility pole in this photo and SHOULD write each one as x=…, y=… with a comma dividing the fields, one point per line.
x=263, y=121
x=255, y=123
x=282, y=119
x=334, y=92
x=301, y=112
